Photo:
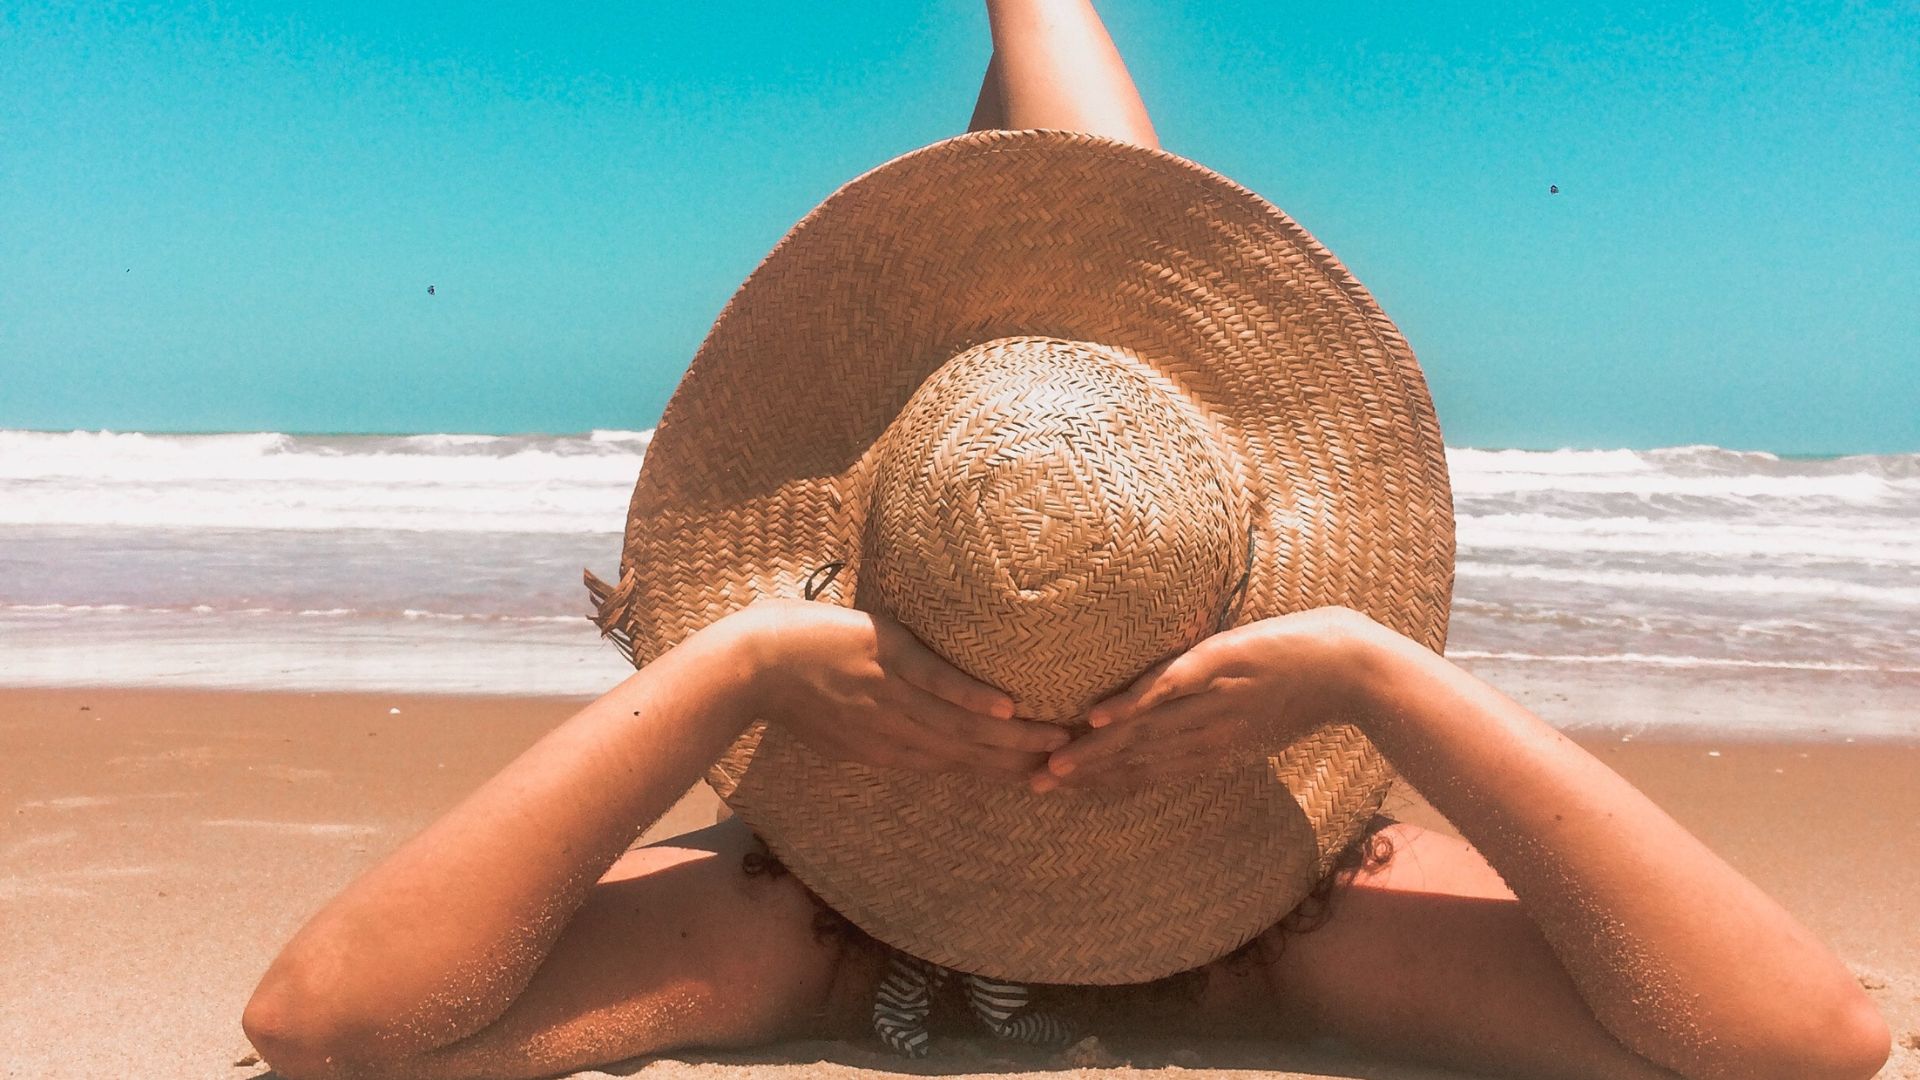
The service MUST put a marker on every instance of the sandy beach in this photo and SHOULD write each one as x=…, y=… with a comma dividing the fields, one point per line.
x=338, y=341
x=159, y=847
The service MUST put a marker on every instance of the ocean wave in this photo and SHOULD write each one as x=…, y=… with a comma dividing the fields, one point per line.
x=1699, y=472
x=1691, y=556
x=128, y=461
x=1891, y=542
x=1845, y=488
x=36, y=453
x=1467, y=459
x=549, y=508
x=442, y=440
x=23, y=451
x=406, y=614
x=1660, y=583
x=602, y=435
x=603, y=463
x=1677, y=661
x=1529, y=506
x=1695, y=458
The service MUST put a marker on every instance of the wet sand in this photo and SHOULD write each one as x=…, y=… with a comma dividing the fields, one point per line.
x=159, y=846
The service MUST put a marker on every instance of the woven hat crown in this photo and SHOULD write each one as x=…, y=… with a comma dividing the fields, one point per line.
x=1050, y=518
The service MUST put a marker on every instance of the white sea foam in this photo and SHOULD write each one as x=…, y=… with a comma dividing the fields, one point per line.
x=577, y=484
x=1670, y=661
x=268, y=455
x=73, y=609
x=1653, y=583
x=1698, y=472
x=601, y=435
x=450, y=561
x=408, y=614
x=1887, y=541
x=1651, y=482
x=419, y=483
x=1466, y=459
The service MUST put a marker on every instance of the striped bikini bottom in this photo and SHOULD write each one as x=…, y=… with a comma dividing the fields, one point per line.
x=917, y=999
x=904, y=1003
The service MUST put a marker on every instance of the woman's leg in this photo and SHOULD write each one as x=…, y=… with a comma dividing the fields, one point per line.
x=1054, y=66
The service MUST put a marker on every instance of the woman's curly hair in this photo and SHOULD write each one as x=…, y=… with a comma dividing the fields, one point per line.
x=1369, y=851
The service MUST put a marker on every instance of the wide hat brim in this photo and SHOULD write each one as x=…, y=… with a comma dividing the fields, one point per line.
x=758, y=474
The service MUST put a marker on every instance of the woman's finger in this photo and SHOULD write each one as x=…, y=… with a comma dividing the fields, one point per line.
x=1097, y=749
x=884, y=754
x=1184, y=754
x=1089, y=751
x=1122, y=704
x=913, y=662
x=959, y=753
x=1164, y=748
x=1004, y=764
x=904, y=740
x=961, y=726
x=1177, y=676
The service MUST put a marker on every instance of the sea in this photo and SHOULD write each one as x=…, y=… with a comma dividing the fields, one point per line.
x=451, y=563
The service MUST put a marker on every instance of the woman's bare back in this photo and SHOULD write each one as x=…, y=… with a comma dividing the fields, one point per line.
x=677, y=946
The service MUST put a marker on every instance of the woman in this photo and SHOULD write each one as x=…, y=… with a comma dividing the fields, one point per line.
x=1577, y=932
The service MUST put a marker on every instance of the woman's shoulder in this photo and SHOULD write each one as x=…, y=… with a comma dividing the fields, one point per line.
x=1433, y=860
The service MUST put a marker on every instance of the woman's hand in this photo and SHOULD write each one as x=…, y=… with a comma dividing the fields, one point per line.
x=860, y=687
x=1235, y=696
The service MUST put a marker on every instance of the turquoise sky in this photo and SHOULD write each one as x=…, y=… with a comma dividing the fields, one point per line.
x=226, y=216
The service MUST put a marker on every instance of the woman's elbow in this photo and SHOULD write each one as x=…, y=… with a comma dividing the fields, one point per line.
x=280, y=1036
x=1857, y=1042
x=296, y=1034
x=1847, y=1039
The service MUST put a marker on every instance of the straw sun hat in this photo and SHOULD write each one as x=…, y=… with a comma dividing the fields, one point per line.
x=1062, y=406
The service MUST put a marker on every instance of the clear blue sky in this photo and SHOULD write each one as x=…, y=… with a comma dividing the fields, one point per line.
x=225, y=216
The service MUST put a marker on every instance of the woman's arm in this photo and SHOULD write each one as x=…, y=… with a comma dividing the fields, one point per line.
x=1681, y=958
x=1678, y=957
x=435, y=942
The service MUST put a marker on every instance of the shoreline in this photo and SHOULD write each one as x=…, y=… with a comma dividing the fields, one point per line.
x=1741, y=705
x=163, y=844
x=1584, y=699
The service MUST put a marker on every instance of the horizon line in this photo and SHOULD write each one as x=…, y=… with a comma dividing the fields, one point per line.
x=589, y=432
